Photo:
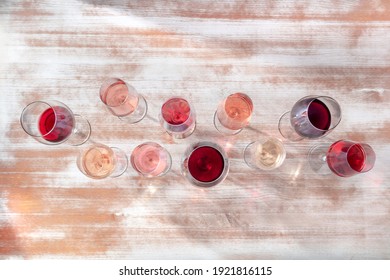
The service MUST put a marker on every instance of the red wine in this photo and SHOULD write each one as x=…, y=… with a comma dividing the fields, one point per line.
x=319, y=114
x=206, y=164
x=176, y=111
x=346, y=158
x=355, y=157
x=56, y=124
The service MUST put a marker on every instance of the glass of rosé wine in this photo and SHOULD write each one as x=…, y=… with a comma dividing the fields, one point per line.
x=233, y=113
x=177, y=117
x=205, y=164
x=123, y=100
x=151, y=160
x=53, y=123
x=311, y=117
x=344, y=158
x=98, y=161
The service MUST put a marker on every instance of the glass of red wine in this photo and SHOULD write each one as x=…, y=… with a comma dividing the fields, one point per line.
x=344, y=158
x=233, y=113
x=151, y=160
x=205, y=164
x=177, y=117
x=52, y=123
x=123, y=100
x=311, y=117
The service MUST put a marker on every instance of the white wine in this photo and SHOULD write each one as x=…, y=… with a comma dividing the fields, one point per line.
x=98, y=161
x=268, y=154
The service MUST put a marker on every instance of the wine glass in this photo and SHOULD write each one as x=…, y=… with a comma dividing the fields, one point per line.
x=98, y=161
x=266, y=154
x=205, y=164
x=123, y=101
x=311, y=117
x=233, y=113
x=151, y=160
x=52, y=123
x=177, y=117
x=344, y=158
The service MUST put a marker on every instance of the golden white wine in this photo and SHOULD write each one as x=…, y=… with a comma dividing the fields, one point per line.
x=268, y=154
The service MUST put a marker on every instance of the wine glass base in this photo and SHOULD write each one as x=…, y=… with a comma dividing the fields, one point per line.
x=223, y=129
x=317, y=159
x=286, y=130
x=81, y=131
x=122, y=162
x=184, y=134
x=139, y=113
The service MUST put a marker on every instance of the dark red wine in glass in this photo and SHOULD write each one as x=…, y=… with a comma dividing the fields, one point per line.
x=319, y=115
x=56, y=124
x=206, y=164
x=314, y=116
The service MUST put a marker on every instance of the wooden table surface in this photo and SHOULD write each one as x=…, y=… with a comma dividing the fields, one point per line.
x=274, y=51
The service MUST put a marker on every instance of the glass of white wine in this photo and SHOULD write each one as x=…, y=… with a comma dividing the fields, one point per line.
x=98, y=161
x=265, y=154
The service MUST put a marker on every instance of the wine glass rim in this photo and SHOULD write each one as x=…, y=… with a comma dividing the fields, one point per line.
x=55, y=115
x=241, y=93
x=188, y=117
x=109, y=83
x=193, y=147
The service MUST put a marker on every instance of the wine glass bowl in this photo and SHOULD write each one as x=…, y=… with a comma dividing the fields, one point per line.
x=233, y=113
x=123, y=100
x=151, y=160
x=53, y=123
x=177, y=117
x=311, y=117
x=205, y=164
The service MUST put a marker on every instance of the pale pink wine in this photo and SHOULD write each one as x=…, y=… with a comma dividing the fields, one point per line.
x=150, y=159
x=119, y=100
x=319, y=115
x=56, y=124
x=206, y=164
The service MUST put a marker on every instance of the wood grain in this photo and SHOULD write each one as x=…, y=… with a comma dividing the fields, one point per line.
x=275, y=51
